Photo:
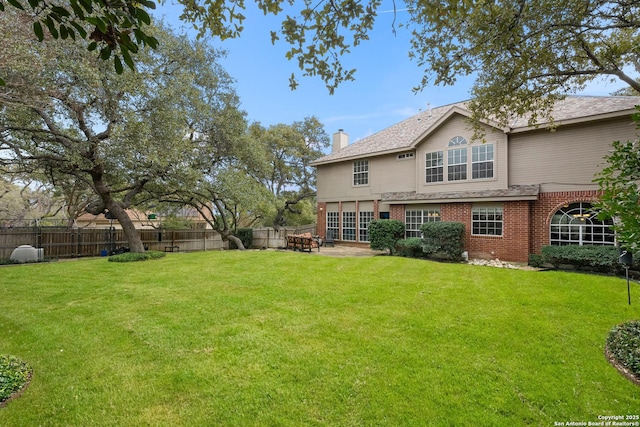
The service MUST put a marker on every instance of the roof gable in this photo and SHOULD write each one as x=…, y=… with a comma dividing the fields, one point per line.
x=407, y=134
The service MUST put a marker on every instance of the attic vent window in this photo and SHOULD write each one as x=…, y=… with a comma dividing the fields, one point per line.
x=408, y=155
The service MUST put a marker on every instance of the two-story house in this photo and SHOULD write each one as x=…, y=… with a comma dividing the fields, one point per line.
x=523, y=188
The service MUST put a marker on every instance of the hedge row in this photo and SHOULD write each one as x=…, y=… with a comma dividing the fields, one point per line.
x=605, y=259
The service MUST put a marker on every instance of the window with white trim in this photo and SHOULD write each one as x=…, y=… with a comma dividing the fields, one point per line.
x=434, y=162
x=413, y=220
x=457, y=160
x=486, y=221
x=363, y=225
x=578, y=224
x=482, y=161
x=361, y=172
x=333, y=225
x=349, y=226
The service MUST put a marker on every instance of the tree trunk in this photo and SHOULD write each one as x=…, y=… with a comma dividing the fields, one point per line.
x=235, y=240
x=128, y=228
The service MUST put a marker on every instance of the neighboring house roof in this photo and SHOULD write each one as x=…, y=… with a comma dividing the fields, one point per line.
x=408, y=133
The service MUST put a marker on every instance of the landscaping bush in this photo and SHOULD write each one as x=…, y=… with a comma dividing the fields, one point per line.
x=132, y=256
x=443, y=239
x=536, y=260
x=14, y=374
x=8, y=261
x=600, y=258
x=411, y=247
x=623, y=344
x=385, y=233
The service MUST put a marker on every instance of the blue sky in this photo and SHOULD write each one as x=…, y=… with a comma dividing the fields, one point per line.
x=380, y=96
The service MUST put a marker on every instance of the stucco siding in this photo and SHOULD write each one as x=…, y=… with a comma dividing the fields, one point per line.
x=567, y=159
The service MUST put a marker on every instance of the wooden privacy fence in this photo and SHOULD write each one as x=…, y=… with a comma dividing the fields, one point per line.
x=64, y=242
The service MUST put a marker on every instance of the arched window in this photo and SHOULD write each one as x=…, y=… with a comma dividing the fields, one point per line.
x=578, y=224
x=457, y=159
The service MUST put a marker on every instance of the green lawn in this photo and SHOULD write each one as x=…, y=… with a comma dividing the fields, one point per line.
x=282, y=338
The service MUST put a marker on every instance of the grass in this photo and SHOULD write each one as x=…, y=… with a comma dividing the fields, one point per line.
x=272, y=338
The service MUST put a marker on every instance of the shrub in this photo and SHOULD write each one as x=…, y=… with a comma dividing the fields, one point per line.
x=385, y=233
x=14, y=374
x=623, y=344
x=443, y=239
x=133, y=256
x=411, y=247
x=8, y=261
x=536, y=260
x=600, y=258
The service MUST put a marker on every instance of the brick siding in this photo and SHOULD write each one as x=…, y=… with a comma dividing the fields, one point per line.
x=525, y=224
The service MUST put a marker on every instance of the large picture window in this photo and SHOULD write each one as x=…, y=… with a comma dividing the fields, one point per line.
x=577, y=224
x=413, y=219
x=361, y=172
x=457, y=159
x=486, y=221
x=333, y=225
x=434, y=166
x=349, y=226
x=363, y=225
x=482, y=161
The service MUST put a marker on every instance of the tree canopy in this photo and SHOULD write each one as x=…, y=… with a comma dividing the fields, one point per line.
x=65, y=113
x=524, y=54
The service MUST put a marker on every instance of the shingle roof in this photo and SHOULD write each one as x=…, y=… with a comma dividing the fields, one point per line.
x=405, y=134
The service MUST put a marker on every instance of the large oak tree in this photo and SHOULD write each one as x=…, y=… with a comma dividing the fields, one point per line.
x=66, y=111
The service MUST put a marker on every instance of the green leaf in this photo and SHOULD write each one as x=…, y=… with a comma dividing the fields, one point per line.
x=152, y=42
x=118, y=64
x=61, y=11
x=105, y=53
x=88, y=5
x=37, y=29
x=77, y=10
x=63, y=32
x=92, y=46
x=127, y=58
x=14, y=3
x=52, y=27
x=144, y=16
x=99, y=23
x=80, y=29
x=2, y=82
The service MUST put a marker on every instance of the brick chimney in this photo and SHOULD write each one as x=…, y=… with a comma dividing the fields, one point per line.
x=340, y=140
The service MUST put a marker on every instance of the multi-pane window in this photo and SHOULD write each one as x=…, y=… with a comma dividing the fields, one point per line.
x=482, y=161
x=457, y=160
x=434, y=166
x=413, y=219
x=361, y=172
x=349, y=226
x=363, y=225
x=333, y=225
x=486, y=221
x=577, y=224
